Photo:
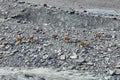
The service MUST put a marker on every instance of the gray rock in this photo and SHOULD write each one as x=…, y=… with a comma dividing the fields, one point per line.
x=2, y=38
x=90, y=63
x=117, y=71
x=62, y=57
x=2, y=46
x=111, y=72
x=80, y=60
x=74, y=56
x=32, y=50
x=118, y=65
x=45, y=56
x=109, y=50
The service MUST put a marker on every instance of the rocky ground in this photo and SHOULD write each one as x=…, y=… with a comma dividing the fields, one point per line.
x=109, y=4
x=43, y=74
x=42, y=36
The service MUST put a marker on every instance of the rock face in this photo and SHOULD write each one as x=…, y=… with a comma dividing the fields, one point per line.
x=26, y=40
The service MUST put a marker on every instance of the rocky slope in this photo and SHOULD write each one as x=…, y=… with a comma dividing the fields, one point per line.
x=42, y=36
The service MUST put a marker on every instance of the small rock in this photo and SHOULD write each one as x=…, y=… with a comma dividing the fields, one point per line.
x=73, y=56
x=105, y=53
x=80, y=60
x=32, y=50
x=35, y=56
x=1, y=57
x=12, y=43
x=41, y=78
x=47, y=45
x=71, y=67
x=17, y=43
x=2, y=20
x=45, y=56
x=21, y=2
x=108, y=36
x=28, y=76
x=39, y=48
x=90, y=63
x=2, y=46
x=62, y=57
x=109, y=50
x=118, y=65
x=14, y=51
x=117, y=71
x=114, y=36
x=7, y=47
x=111, y=72
x=2, y=38
x=10, y=53
x=71, y=11
x=59, y=52
x=107, y=77
x=26, y=61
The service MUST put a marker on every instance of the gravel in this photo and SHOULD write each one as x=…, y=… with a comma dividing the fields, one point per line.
x=18, y=48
